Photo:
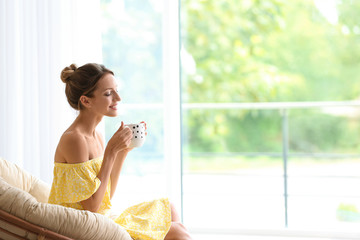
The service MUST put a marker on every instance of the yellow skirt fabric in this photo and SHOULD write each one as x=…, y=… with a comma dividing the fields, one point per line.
x=147, y=220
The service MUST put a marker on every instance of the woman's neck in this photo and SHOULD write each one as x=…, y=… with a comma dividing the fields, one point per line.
x=86, y=122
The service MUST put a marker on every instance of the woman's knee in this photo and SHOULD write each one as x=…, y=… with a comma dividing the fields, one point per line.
x=175, y=217
x=177, y=232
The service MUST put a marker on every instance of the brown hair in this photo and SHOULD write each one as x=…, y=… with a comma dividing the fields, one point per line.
x=82, y=81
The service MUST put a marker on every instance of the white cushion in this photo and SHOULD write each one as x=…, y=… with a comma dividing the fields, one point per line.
x=19, y=178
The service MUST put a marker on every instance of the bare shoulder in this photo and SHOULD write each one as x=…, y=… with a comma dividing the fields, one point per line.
x=72, y=148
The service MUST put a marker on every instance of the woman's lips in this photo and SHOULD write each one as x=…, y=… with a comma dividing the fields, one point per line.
x=113, y=107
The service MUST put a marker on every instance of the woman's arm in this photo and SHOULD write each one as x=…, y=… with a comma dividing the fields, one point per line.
x=117, y=144
x=93, y=203
x=117, y=166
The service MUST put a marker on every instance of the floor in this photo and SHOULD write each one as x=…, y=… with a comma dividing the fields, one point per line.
x=246, y=237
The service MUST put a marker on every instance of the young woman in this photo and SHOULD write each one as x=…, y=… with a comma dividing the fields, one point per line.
x=86, y=171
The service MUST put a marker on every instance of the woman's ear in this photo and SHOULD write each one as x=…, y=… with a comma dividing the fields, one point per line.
x=85, y=101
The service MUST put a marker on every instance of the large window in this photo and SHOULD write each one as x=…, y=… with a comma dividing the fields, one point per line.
x=270, y=126
x=265, y=144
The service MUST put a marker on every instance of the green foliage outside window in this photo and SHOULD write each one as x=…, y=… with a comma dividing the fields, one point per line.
x=270, y=51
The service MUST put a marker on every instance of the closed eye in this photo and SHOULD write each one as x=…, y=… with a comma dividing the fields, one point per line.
x=109, y=93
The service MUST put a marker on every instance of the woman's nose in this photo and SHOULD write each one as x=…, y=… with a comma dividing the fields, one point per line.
x=118, y=98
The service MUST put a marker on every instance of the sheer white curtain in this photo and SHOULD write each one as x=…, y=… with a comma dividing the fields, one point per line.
x=38, y=38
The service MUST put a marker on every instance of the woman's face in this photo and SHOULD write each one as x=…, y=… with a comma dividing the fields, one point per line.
x=105, y=97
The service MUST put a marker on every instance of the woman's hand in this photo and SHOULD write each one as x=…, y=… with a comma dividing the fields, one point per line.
x=120, y=141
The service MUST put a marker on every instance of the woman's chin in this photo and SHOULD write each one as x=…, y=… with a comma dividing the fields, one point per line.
x=112, y=114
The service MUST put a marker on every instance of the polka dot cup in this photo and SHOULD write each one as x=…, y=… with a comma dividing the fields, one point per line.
x=138, y=131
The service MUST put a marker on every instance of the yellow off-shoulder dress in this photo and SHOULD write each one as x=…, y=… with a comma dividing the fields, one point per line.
x=74, y=183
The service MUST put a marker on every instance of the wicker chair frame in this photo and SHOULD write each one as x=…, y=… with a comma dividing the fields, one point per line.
x=29, y=230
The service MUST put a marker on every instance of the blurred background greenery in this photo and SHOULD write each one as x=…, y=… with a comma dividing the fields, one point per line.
x=270, y=51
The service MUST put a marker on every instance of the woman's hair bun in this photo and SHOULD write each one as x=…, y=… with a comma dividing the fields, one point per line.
x=67, y=72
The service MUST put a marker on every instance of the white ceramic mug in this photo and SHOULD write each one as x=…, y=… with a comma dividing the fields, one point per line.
x=138, y=131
